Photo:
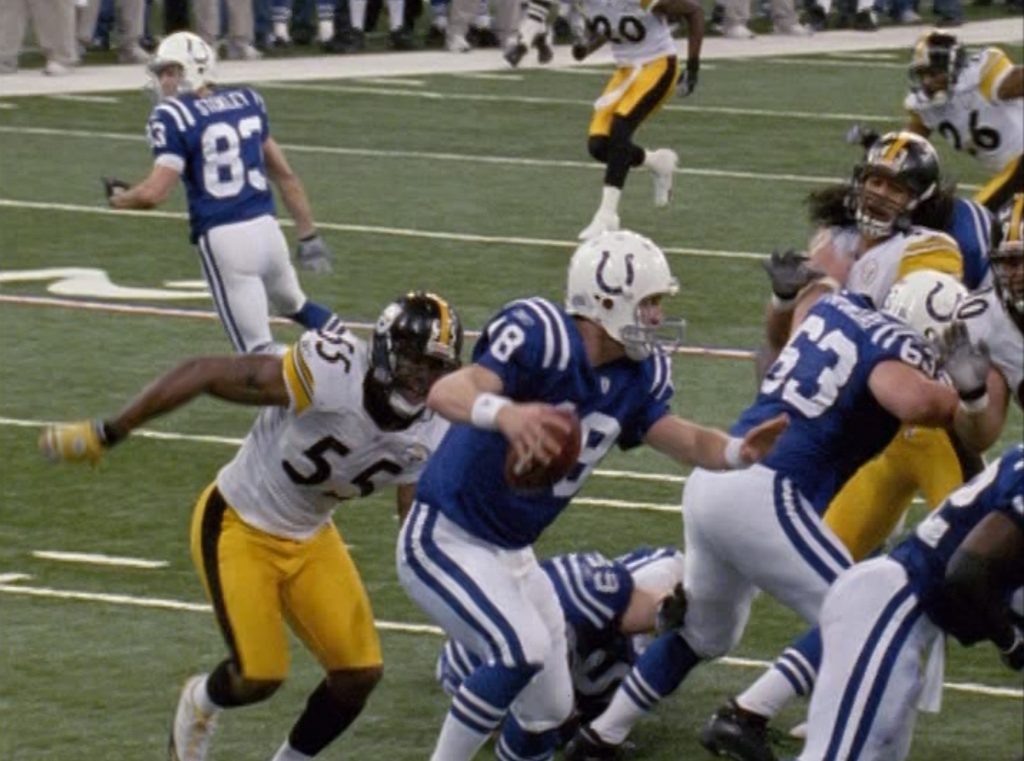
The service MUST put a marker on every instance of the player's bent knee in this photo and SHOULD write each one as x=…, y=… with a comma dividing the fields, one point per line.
x=597, y=146
x=354, y=685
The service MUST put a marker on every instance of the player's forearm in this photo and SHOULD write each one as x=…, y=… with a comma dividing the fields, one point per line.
x=690, y=444
x=454, y=396
x=1012, y=85
x=293, y=194
x=979, y=429
x=972, y=608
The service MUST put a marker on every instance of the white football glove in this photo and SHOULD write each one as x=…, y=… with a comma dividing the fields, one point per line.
x=966, y=364
x=313, y=254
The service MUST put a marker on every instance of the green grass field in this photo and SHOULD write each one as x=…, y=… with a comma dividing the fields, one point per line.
x=410, y=192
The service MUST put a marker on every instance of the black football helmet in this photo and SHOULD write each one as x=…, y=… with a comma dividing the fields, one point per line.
x=904, y=159
x=417, y=339
x=935, y=53
x=1008, y=260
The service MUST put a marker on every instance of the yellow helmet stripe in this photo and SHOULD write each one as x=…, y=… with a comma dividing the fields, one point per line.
x=895, y=148
x=1013, y=234
x=446, y=320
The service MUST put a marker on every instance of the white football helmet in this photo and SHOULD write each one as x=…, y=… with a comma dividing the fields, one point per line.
x=925, y=300
x=609, y=277
x=196, y=58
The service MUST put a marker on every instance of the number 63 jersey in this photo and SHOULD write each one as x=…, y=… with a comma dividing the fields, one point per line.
x=216, y=144
x=296, y=463
x=820, y=380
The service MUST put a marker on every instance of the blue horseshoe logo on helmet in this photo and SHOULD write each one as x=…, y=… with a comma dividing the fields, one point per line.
x=929, y=305
x=614, y=290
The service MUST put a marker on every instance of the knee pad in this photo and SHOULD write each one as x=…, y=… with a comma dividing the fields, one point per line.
x=713, y=629
x=354, y=686
x=597, y=146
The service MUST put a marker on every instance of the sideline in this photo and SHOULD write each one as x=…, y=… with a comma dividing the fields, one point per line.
x=108, y=78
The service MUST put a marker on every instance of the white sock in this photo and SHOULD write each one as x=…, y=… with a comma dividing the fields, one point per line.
x=281, y=30
x=768, y=695
x=396, y=14
x=610, y=199
x=201, y=697
x=614, y=724
x=325, y=29
x=457, y=742
x=357, y=13
x=287, y=753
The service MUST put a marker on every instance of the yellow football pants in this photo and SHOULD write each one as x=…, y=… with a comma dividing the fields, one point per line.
x=257, y=582
x=635, y=93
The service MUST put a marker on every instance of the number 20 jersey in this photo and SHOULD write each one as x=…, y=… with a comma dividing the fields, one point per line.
x=820, y=380
x=216, y=144
x=637, y=35
x=297, y=462
x=538, y=352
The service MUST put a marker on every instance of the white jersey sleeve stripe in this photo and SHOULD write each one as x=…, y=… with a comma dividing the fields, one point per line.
x=185, y=112
x=171, y=161
x=165, y=108
x=570, y=588
x=549, y=333
x=564, y=354
x=599, y=606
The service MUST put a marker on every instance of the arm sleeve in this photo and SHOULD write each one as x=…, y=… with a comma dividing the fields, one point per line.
x=995, y=65
x=167, y=133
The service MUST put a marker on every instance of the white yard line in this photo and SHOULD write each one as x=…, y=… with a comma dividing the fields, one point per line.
x=94, y=558
x=491, y=76
x=809, y=179
x=392, y=626
x=106, y=99
x=831, y=62
x=402, y=232
x=115, y=77
x=394, y=81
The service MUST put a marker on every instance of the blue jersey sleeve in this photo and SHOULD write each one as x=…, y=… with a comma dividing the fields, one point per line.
x=1011, y=485
x=167, y=132
x=261, y=109
x=524, y=344
x=659, y=391
x=594, y=591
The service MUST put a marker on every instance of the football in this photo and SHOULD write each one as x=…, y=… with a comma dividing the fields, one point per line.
x=534, y=476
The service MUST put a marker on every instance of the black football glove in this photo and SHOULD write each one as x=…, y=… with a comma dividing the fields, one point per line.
x=671, y=611
x=688, y=82
x=313, y=254
x=789, y=272
x=113, y=186
x=863, y=136
x=966, y=364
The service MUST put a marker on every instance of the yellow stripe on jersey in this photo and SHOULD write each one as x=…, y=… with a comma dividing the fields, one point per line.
x=994, y=185
x=298, y=378
x=995, y=64
x=649, y=5
x=942, y=259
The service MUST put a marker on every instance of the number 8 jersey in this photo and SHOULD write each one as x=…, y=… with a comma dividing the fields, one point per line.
x=297, y=462
x=216, y=144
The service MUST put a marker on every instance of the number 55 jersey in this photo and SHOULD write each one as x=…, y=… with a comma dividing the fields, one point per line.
x=297, y=462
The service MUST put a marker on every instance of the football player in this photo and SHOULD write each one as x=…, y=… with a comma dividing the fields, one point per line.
x=847, y=378
x=465, y=553
x=885, y=618
x=646, y=75
x=975, y=103
x=610, y=608
x=218, y=143
x=994, y=316
x=339, y=420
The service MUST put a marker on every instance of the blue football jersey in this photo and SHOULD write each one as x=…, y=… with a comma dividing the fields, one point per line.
x=216, y=142
x=537, y=351
x=926, y=553
x=821, y=381
x=971, y=227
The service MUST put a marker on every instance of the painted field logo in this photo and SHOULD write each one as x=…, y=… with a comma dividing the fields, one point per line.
x=92, y=282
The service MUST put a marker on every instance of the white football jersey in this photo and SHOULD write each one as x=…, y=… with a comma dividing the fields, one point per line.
x=297, y=462
x=637, y=36
x=972, y=118
x=875, y=270
x=986, y=320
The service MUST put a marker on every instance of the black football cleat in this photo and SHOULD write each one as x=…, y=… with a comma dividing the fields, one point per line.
x=514, y=53
x=737, y=734
x=586, y=745
x=544, y=51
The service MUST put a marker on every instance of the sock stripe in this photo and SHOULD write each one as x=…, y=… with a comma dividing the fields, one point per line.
x=791, y=677
x=644, y=687
x=801, y=664
x=630, y=692
x=468, y=722
x=474, y=704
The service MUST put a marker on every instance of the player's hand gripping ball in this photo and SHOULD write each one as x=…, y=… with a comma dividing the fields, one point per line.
x=532, y=475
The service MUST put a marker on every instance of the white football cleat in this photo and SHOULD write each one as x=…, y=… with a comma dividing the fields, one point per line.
x=663, y=164
x=603, y=222
x=192, y=729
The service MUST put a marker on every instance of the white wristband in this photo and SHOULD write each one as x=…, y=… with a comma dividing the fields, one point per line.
x=733, y=457
x=780, y=304
x=975, y=406
x=485, y=410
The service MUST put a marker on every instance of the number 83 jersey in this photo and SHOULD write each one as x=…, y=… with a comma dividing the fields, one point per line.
x=298, y=461
x=637, y=35
x=216, y=144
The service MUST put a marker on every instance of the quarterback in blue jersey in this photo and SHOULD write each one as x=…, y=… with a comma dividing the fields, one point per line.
x=885, y=617
x=846, y=379
x=610, y=609
x=464, y=554
x=218, y=143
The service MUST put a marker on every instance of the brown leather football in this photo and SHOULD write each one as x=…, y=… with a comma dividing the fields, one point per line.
x=532, y=476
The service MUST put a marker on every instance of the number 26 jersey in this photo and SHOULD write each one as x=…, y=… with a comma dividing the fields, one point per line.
x=297, y=462
x=216, y=144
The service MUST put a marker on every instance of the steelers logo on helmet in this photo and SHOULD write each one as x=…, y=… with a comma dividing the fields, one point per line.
x=1008, y=260
x=617, y=280
x=935, y=65
x=898, y=174
x=416, y=340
